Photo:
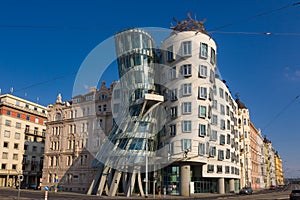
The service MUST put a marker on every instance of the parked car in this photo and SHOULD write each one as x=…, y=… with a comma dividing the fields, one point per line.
x=272, y=187
x=246, y=190
x=33, y=187
x=295, y=194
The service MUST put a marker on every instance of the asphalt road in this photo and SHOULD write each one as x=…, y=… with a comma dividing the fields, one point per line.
x=12, y=194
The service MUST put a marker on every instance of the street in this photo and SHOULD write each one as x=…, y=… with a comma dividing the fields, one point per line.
x=9, y=194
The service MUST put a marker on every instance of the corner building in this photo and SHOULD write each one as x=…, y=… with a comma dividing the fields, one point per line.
x=202, y=131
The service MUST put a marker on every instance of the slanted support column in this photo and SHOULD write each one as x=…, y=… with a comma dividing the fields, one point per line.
x=185, y=177
x=231, y=185
x=221, y=186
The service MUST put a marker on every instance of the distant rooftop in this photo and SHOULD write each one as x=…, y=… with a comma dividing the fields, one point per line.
x=189, y=24
x=240, y=104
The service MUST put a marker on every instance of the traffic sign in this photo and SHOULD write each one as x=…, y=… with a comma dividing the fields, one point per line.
x=46, y=188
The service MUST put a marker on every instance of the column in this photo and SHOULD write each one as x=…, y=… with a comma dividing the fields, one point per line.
x=231, y=185
x=185, y=177
x=221, y=186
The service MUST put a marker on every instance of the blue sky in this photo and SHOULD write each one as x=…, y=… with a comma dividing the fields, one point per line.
x=43, y=43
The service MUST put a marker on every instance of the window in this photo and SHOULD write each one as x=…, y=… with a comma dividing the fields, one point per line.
x=170, y=55
x=212, y=76
x=213, y=56
x=187, y=89
x=202, y=111
x=172, y=73
x=220, y=155
x=212, y=151
x=227, y=153
x=17, y=136
x=221, y=93
x=173, y=129
x=186, y=48
x=104, y=107
x=186, y=144
x=215, y=104
x=186, y=126
x=14, y=167
x=7, y=122
x=203, y=50
x=3, y=166
x=16, y=146
x=210, y=168
x=219, y=168
x=7, y=134
x=36, y=130
x=186, y=107
x=173, y=94
x=18, y=125
x=214, y=135
x=8, y=112
x=222, y=107
x=201, y=151
x=34, y=148
x=27, y=128
x=27, y=117
x=214, y=120
x=202, y=93
x=15, y=156
x=222, y=126
x=186, y=70
x=174, y=113
x=4, y=155
x=222, y=139
x=5, y=144
x=18, y=115
x=100, y=108
x=228, y=139
x=171, y=148
x=202, y=130
x=227, y=169
x=202, y=71
x=116, y=107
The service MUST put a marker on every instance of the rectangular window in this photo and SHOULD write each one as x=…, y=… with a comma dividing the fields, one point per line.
x=214, y=120
x=202, y=71
x=27, y=117
x=4, y=155
x=202, y=130
x=116, y=93
x=227, y=169
x=16, y=146
x=212, y=76
x=7, y=122
x=18, y=125
x=186, y=126
x=15, y=156
x=215, y=104
x=104, y=107
x=116, y=107
x=203, y=50
x=222, y=139
x=8, y=112
x=34, y=148
x=186, y=144
x=222, y=108
x=17, y=136
x=202, y=92
x=202, y=111
x=219, y=168
x=210, y=168
x=170, y=54
x=7, y=134
x=220, y=155
x=173, y=94
x=214, y=135
x=212, y=56
x=186, y=89
x=228, y=139
x=171, y=148
x=201, y=151
x=227, y=153
x=186, y=70
x=186, y=108
x=172, y=73
x=174, y=112
x=221, y=93
x=186, y=48
x=222, y=125
x=212, y=151
x=173, y=129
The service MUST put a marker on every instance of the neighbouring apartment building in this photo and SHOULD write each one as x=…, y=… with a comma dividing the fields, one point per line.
x=22, y=139
x=75, y=131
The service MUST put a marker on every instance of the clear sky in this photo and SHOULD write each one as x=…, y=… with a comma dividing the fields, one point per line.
x=44, y=42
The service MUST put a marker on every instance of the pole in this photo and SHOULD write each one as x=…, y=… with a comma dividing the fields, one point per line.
x=46, y=194
x=19, y=188
x=146, y=181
